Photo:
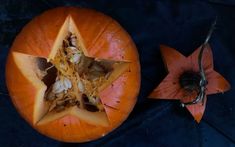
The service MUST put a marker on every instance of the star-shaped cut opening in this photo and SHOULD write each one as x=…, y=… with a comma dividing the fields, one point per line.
x=69, y=81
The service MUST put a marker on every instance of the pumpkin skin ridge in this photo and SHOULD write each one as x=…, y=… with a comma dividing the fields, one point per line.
x=94, y=53
x=106, y=130
x=100, y=33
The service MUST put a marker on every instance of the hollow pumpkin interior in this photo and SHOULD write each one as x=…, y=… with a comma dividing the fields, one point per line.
x=68, y=82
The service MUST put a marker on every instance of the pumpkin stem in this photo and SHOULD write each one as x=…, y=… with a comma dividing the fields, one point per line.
x=190, y=81
x=203, y=80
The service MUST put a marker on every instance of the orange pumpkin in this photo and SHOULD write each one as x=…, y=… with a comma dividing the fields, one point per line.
x=98, y=38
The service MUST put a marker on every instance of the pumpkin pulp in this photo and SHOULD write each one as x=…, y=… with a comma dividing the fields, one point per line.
x=77, y=78
x=73, y=79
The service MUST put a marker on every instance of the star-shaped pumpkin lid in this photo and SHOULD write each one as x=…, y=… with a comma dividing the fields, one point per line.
x=190, y=79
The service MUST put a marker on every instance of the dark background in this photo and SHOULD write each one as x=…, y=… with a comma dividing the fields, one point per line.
x=179, y=24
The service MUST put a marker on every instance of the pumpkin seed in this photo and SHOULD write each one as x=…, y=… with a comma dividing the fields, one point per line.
x=58, y=87
x=71, y=49
x=107, y=75
x=73, y=40
x=67, y=84
x=81, y=86
x=75, y=58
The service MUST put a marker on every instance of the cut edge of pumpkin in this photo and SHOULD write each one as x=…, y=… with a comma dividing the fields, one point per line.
x=99, y=118
x=120, y=68
x=26, y=64
x=68, y=26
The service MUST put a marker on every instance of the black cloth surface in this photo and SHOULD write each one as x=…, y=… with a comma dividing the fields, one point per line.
x=180, y=24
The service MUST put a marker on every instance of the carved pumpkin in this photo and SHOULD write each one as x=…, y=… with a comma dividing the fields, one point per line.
x=73, y=74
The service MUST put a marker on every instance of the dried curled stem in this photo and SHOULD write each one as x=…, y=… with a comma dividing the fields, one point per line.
x=203, y=81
